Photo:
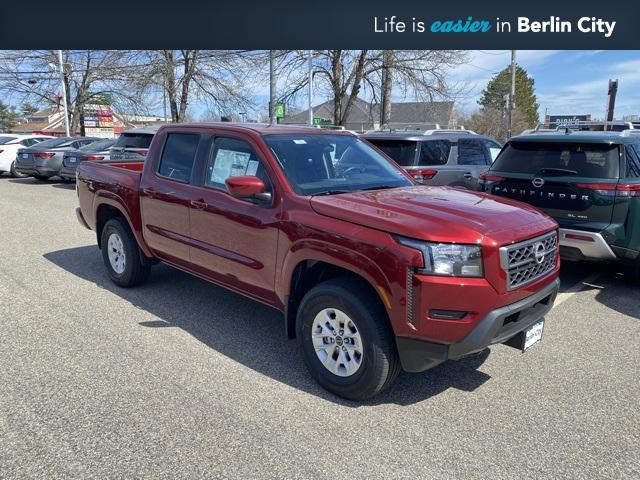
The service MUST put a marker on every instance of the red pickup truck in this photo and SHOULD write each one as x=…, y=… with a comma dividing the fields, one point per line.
x=372, y=272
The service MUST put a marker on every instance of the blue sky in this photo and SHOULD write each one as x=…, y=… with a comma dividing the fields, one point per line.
x=566, y=82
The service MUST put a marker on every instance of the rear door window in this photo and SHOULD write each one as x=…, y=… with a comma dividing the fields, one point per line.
x=403, y=152
x=590, y=160
x=434, y=152
x=472, y=152
x=633, y=160
x=178, y=156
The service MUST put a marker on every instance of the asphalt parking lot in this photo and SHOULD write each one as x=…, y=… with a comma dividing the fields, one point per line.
x=179, y=378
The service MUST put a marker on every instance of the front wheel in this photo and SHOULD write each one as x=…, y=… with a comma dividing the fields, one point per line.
x=15, y=173
x=122, y=256
x=346, y=340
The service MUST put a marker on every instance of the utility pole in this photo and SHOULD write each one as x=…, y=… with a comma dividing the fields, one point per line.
x=512, y=94
x=64, y=95
x=387, y=86
x=310, y=63
x=613, y=91
x=272, y=87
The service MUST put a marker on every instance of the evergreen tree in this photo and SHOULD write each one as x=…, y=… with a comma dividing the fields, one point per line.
x=8, y=117
x=497, y=91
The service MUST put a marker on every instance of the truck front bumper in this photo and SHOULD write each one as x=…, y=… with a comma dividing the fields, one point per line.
x=499, y=326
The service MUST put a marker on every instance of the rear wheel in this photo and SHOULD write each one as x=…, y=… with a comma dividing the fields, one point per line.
x=15, y=173
x=346, y=340
x=122, y=256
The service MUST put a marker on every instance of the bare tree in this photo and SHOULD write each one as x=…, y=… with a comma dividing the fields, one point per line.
x=218, y=79
x=32, y=76
x=345, y=74
x=492, y=122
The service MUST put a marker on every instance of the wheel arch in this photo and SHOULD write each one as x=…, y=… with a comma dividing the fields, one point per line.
x=305, y=271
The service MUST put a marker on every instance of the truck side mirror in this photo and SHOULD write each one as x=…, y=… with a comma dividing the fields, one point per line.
x=248, y=186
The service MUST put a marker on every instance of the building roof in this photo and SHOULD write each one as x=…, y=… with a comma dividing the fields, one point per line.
x=365, y=112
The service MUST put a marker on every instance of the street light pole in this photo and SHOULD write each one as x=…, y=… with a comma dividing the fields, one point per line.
x=64, y=95
x=512, y=93
x=310, y=87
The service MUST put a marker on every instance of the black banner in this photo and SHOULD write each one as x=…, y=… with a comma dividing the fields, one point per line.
x=308, y=24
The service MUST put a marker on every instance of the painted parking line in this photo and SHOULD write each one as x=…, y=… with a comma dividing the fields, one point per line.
x=587, y=282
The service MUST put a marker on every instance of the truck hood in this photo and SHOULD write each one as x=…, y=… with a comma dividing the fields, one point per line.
x=438, y=214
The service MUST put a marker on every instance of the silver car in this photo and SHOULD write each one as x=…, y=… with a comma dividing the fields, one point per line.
x=439, y=156
x=44, y=160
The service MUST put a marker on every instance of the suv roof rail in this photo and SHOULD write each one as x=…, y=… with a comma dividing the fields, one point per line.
x=630, y=131
x=419, y=129
x=593, y=126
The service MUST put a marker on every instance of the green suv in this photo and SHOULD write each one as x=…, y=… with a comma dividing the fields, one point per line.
x=588, y=181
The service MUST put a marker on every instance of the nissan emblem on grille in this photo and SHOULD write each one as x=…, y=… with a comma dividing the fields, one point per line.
x=525, y=262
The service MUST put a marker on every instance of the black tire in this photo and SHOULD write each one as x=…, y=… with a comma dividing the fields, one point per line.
x=15, y=173
x=136, y=271
x=379, y=365
x=42, y=178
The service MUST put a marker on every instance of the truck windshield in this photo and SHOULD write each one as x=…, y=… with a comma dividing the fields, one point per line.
x=575, y=159
x=328, y=164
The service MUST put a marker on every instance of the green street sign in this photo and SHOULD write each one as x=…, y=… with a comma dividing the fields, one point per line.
x=279, y=110
x=321, y=121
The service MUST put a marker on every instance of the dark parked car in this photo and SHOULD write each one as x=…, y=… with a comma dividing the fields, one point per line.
x=99, y=150
x=44, y=160
x=437, y=156
x=589, y=181
x=133, y=144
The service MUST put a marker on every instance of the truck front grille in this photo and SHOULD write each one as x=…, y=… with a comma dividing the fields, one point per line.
x=525, y=262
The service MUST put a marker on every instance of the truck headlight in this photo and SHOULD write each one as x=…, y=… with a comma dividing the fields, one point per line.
x=448, y=259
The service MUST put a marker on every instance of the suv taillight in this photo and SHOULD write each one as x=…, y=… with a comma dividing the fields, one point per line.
x=620, y=189
x=488, y=180
x=44, y=154
x=422, y=175
x=142, y=152
x=92, y=157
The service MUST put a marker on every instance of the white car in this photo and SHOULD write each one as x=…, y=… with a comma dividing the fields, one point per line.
x=10, y=143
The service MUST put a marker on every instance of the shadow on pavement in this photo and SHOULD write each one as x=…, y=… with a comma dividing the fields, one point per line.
x=251, y=333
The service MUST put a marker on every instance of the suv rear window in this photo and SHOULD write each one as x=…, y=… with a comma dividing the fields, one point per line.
x=403, y=152
x=55, y=142
x=576, y=159
x=434, y=152
x=134, y=140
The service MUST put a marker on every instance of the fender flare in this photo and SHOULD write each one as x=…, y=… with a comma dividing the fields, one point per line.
x=104, y=197
x=353, y=261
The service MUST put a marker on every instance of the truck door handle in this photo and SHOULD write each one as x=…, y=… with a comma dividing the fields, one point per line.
x=199, y=204
x=467, y=175
x=149, y=192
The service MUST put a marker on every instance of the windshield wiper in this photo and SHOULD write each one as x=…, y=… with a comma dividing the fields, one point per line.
x=378, y=187
x=331, y=192
x=557, y=170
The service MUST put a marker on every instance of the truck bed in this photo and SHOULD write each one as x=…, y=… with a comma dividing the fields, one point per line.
x=119, y=182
